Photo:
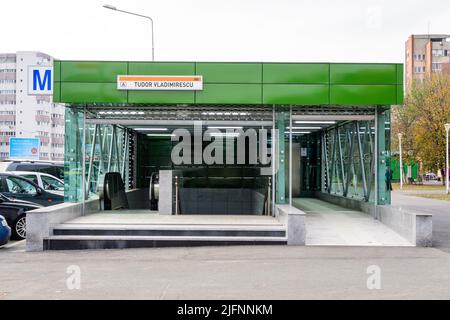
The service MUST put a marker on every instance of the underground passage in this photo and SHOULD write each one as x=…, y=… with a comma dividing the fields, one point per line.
x=231, y=158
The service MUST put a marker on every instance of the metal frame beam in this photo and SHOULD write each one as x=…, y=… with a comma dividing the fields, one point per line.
x=183, y=123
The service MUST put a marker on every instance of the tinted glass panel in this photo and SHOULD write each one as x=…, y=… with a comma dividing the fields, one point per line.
x=20, y=186
x=31, y=177
x=50, y=183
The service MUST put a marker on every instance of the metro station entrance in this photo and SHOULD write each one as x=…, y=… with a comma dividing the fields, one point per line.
x=219, y=159
x=200, y=153
x=248, y=158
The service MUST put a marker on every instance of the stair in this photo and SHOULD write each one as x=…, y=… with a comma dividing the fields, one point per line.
x=104, y=236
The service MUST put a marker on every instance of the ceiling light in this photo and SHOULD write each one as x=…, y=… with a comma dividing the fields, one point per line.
x=224, y=134
x=298, y=132
x=150, y=129
x=216, y=127
x=315, y=122
x=161, y=135
x=304, y=128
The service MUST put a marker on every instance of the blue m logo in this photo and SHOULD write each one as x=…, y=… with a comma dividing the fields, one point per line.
x=40, y=80
x=44, y=83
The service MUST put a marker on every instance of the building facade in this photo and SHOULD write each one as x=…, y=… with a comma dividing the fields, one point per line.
x=425, y=55
x=26, y=115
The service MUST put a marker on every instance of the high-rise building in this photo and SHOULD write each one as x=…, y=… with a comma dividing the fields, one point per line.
x=426, y=54
x=27, y=115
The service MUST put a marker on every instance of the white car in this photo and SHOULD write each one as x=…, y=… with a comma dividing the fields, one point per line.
x=431, y=177
x=46, y=181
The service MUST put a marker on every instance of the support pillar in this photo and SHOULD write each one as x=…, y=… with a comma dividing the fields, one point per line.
x=280, y=175
x=383, y=147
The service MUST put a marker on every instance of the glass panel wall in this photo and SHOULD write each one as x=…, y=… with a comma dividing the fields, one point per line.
x=105, y=152
x=349, y=149
x=73, y=181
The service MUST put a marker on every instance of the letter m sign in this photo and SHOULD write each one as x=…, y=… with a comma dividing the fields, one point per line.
x=40, y=80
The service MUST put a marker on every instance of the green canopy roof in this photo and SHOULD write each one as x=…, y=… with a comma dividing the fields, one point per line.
x=89, y=82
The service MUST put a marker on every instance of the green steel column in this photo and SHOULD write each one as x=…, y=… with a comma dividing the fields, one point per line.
x=280, y=182
x=383, y=134
x=73, y=190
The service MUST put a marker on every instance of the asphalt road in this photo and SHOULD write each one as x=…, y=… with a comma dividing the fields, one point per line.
x=440, y=210
x=255, y=272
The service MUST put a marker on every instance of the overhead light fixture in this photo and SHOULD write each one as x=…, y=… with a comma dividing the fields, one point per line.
x=161, y=135
x=224, y=134
x=224, y=127
x=305, y=128
x=298, y=132
x=314, y=122
x=150, y=129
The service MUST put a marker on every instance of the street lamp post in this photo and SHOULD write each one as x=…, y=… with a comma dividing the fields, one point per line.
x=401, y=159
x=110, y=7
x=447, y=187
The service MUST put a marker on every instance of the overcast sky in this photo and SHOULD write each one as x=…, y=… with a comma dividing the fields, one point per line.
x=226, y=30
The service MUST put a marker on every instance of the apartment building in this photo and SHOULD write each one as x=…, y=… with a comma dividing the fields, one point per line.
x=27, y=115
x=425, y=55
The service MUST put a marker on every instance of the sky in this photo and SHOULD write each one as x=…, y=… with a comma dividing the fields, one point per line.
x=227, y=30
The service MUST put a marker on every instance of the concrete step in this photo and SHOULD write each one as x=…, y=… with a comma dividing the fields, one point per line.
x=80, y=242
x=184, y=230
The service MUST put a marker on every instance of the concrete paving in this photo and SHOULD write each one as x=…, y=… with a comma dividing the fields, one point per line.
x=246, y=272
x=331, y=225
x=146, y=217
x=440, y=209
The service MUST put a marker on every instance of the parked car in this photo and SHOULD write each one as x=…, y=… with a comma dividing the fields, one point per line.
x=431, y=177
x=45, y=181
x=16, y=187
x=5, y=231
x=15, y=212
x=53, y=168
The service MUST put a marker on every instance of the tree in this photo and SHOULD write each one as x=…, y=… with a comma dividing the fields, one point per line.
x=422, y=119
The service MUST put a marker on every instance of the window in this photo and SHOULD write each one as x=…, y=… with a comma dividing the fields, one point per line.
x=20, y=186
x=419, y=69
x=31, y=177
x=437, y=52
x=436, y=67
x=50, y=183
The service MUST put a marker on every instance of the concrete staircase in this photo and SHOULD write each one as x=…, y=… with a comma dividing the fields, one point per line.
x=112, y=236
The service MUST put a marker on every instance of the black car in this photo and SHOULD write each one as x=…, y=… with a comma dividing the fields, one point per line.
x=16, y=187
x=15, y=212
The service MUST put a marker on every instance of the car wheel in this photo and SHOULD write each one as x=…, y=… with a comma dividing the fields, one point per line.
x=19, y=228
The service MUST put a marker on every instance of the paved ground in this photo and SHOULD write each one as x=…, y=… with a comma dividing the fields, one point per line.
x=440, y=210
x=146, y=217
x=268, y=272
x=256, y=272
x=332, y=225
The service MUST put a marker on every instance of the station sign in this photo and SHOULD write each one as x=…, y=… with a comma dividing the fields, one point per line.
x=135, y=82
x=40, y=79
